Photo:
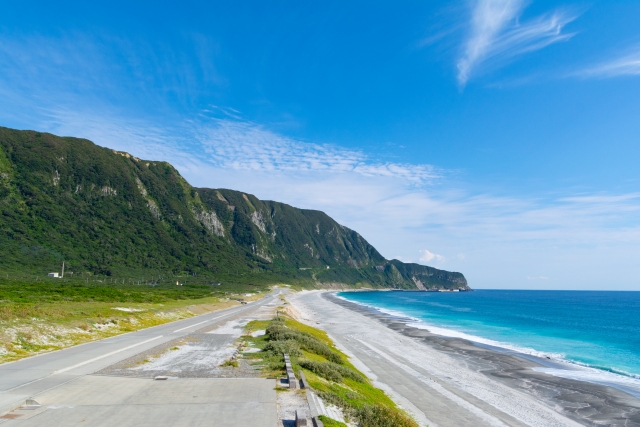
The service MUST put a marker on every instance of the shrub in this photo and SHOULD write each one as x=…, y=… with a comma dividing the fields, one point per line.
x=331, y=371
x=290, y=347
x=322, y=369
x=381, y=416
x=231, y=362
x=369, y=415
x=330, y=422
x=277, y=331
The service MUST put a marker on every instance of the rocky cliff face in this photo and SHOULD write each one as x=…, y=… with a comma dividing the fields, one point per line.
x=112, y=213
x=282, y=234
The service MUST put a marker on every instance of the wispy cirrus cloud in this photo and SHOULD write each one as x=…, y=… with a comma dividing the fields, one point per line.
x=227, y=144
x=627, y=64
x=497, y=34
x=247, y=146
x=79, y=73
x=106, y=70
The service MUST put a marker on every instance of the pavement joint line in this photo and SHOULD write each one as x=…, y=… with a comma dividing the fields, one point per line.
x=77, y=365
x=18, y=403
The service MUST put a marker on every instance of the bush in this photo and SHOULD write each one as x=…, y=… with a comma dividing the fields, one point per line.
x=231, y=362
x=291, y=347
x=277, y=331
x=369, y=415
x=279, y=320
x=381, y=416
x=331, y=371
x=330, y=422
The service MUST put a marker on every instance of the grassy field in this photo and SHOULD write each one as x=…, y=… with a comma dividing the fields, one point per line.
x=327, y=370
x=51, y=314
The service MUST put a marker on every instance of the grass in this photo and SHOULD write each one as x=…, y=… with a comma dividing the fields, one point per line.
x=47, y=290
x=231, y=363
x=41, y=317
x=330, y=422
x=330, y=373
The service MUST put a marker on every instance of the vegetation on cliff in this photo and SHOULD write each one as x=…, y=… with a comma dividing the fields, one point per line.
x=112, y=217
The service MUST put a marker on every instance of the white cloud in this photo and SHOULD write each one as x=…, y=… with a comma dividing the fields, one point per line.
x=225, y=144
x=247, y=146
x=624, y=65
x=496, y=34
x=98, y=70
x=356, y=188
x=426, y=256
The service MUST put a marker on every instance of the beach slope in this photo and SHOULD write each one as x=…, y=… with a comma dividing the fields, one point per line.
x=452, y=382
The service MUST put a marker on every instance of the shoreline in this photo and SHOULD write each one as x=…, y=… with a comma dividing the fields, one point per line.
x=551, y=363
x=555, y=365
x=465, y=381
x=618, y=402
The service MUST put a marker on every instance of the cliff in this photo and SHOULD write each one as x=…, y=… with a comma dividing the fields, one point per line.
x=107, y=212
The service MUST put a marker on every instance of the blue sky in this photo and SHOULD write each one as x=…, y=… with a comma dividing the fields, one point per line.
x=496, y=138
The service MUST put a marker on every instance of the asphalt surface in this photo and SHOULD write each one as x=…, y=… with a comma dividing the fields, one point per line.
x=36, y=375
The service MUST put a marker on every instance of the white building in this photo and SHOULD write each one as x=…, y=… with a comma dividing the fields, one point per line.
x=56, y=275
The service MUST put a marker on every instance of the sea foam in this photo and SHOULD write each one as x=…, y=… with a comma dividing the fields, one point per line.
x=563, y=367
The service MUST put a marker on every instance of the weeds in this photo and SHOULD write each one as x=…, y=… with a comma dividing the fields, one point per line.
x=331, y=371
x=279, y=332
x=330, y=422
x=231, y=362
x=381, y=416
x=31, y=328
x=277, y=348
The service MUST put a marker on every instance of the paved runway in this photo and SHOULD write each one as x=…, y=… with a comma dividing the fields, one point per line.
x=102, y=401
x=36, y=375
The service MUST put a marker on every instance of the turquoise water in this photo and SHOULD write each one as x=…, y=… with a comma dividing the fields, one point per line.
x=597, y=334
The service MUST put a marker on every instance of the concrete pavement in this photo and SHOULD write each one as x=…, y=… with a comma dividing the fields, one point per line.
x=133, y=402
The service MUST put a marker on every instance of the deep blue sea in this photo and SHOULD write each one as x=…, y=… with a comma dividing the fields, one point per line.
x=589, y=336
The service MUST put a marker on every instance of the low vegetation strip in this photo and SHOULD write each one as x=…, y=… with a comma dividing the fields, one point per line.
x=278, y=332
x=330, y=371
x=330, y=422
x=327, y=370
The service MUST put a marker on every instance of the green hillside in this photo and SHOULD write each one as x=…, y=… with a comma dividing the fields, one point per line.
x=109, y=214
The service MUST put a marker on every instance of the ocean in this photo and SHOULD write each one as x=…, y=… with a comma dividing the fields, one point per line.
x=582, y=335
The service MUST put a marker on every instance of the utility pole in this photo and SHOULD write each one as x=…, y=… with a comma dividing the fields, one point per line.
x=62, y=277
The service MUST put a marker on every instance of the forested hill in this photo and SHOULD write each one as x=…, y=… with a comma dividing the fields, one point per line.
x=109, y=213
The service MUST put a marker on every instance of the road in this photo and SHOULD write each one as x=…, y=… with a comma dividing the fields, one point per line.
x=38, y=374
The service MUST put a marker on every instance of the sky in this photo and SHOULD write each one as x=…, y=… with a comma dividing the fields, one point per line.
x=498, y=138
